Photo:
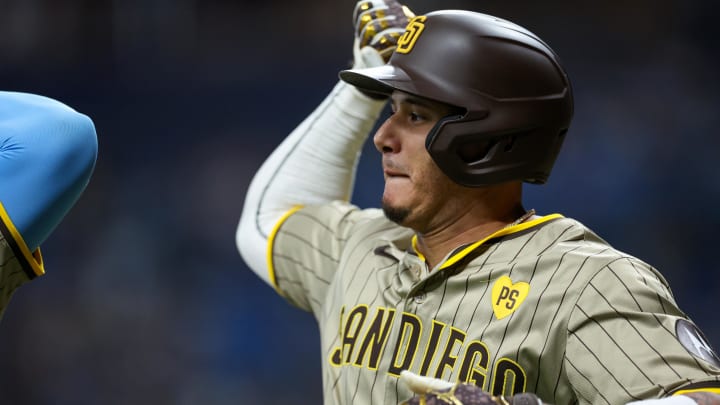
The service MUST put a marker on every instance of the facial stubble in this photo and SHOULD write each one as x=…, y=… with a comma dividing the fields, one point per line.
x=395, y=214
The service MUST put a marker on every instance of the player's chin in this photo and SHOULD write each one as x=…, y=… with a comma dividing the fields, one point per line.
x=395, y=212
x=396, y=195
x=397, y=189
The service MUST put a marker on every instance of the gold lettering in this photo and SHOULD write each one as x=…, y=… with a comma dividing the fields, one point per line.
x=355, y=321
x=508, y=378
x=375, y=338
x=406, y=345
x=431, y=348
x=365, y=340
x=448, y=360
x=475, y=363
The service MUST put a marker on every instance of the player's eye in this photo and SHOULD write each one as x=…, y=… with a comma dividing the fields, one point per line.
x=416, y=117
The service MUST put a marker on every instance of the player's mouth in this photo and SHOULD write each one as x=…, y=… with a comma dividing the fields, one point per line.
x=390, y=170
x=394, y=173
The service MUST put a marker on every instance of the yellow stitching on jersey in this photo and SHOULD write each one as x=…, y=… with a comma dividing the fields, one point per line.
x=271, y=240
x=34, y=258
x=502, y=232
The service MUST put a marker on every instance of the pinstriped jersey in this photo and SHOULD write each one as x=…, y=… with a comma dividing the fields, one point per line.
x=17, y=264
x=546, y=306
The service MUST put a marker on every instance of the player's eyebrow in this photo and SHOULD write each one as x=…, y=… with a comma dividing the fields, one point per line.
x=413, y=100
x=420, y=102
x=398, y=98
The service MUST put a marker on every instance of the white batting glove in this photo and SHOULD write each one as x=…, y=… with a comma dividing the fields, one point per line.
x=433, y=391
x=378, y=26
x=676, y=400
x=421, y=384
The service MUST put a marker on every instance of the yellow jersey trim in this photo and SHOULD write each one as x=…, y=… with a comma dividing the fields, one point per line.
x=713, y=390
x=33, y=259
x=415, y=248
x=502, y=232
x=271, y=241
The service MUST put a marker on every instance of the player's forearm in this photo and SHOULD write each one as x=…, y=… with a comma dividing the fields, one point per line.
x=47, y=154
x=315, y=164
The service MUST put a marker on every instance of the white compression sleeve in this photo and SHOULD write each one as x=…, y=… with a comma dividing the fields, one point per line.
x=315, y=164
x=674, y=400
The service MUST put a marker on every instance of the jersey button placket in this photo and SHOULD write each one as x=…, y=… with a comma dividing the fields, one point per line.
x=416, y=268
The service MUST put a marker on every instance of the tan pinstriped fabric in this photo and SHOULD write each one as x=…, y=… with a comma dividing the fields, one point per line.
x=14, y=268
x=11, y=274
x=545, y=307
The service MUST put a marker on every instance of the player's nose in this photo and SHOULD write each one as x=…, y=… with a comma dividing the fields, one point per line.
x=384, y=139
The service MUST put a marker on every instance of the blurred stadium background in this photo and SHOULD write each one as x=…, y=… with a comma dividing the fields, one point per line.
x=146, y=300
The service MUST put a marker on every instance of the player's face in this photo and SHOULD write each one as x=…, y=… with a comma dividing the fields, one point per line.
x=416, y=191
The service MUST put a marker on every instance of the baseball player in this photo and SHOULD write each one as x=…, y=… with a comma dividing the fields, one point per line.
x=47, y=154
x=454, y=292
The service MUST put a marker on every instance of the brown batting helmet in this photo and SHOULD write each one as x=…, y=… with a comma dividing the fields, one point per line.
x=516, y=98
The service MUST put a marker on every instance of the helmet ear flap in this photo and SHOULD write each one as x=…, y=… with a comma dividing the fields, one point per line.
x=476, y=150
x=458, y=115
x=473, y=157
x=432, y=135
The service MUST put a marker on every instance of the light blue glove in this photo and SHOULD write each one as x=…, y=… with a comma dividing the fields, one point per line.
x=47, y=154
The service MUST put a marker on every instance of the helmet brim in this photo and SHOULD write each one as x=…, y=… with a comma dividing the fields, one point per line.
x=380, y=80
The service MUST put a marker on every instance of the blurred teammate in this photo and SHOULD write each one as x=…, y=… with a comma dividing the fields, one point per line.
x=47, y=154
x=454, y=280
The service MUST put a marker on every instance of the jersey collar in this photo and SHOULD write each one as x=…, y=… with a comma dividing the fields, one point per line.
x=463, y=251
